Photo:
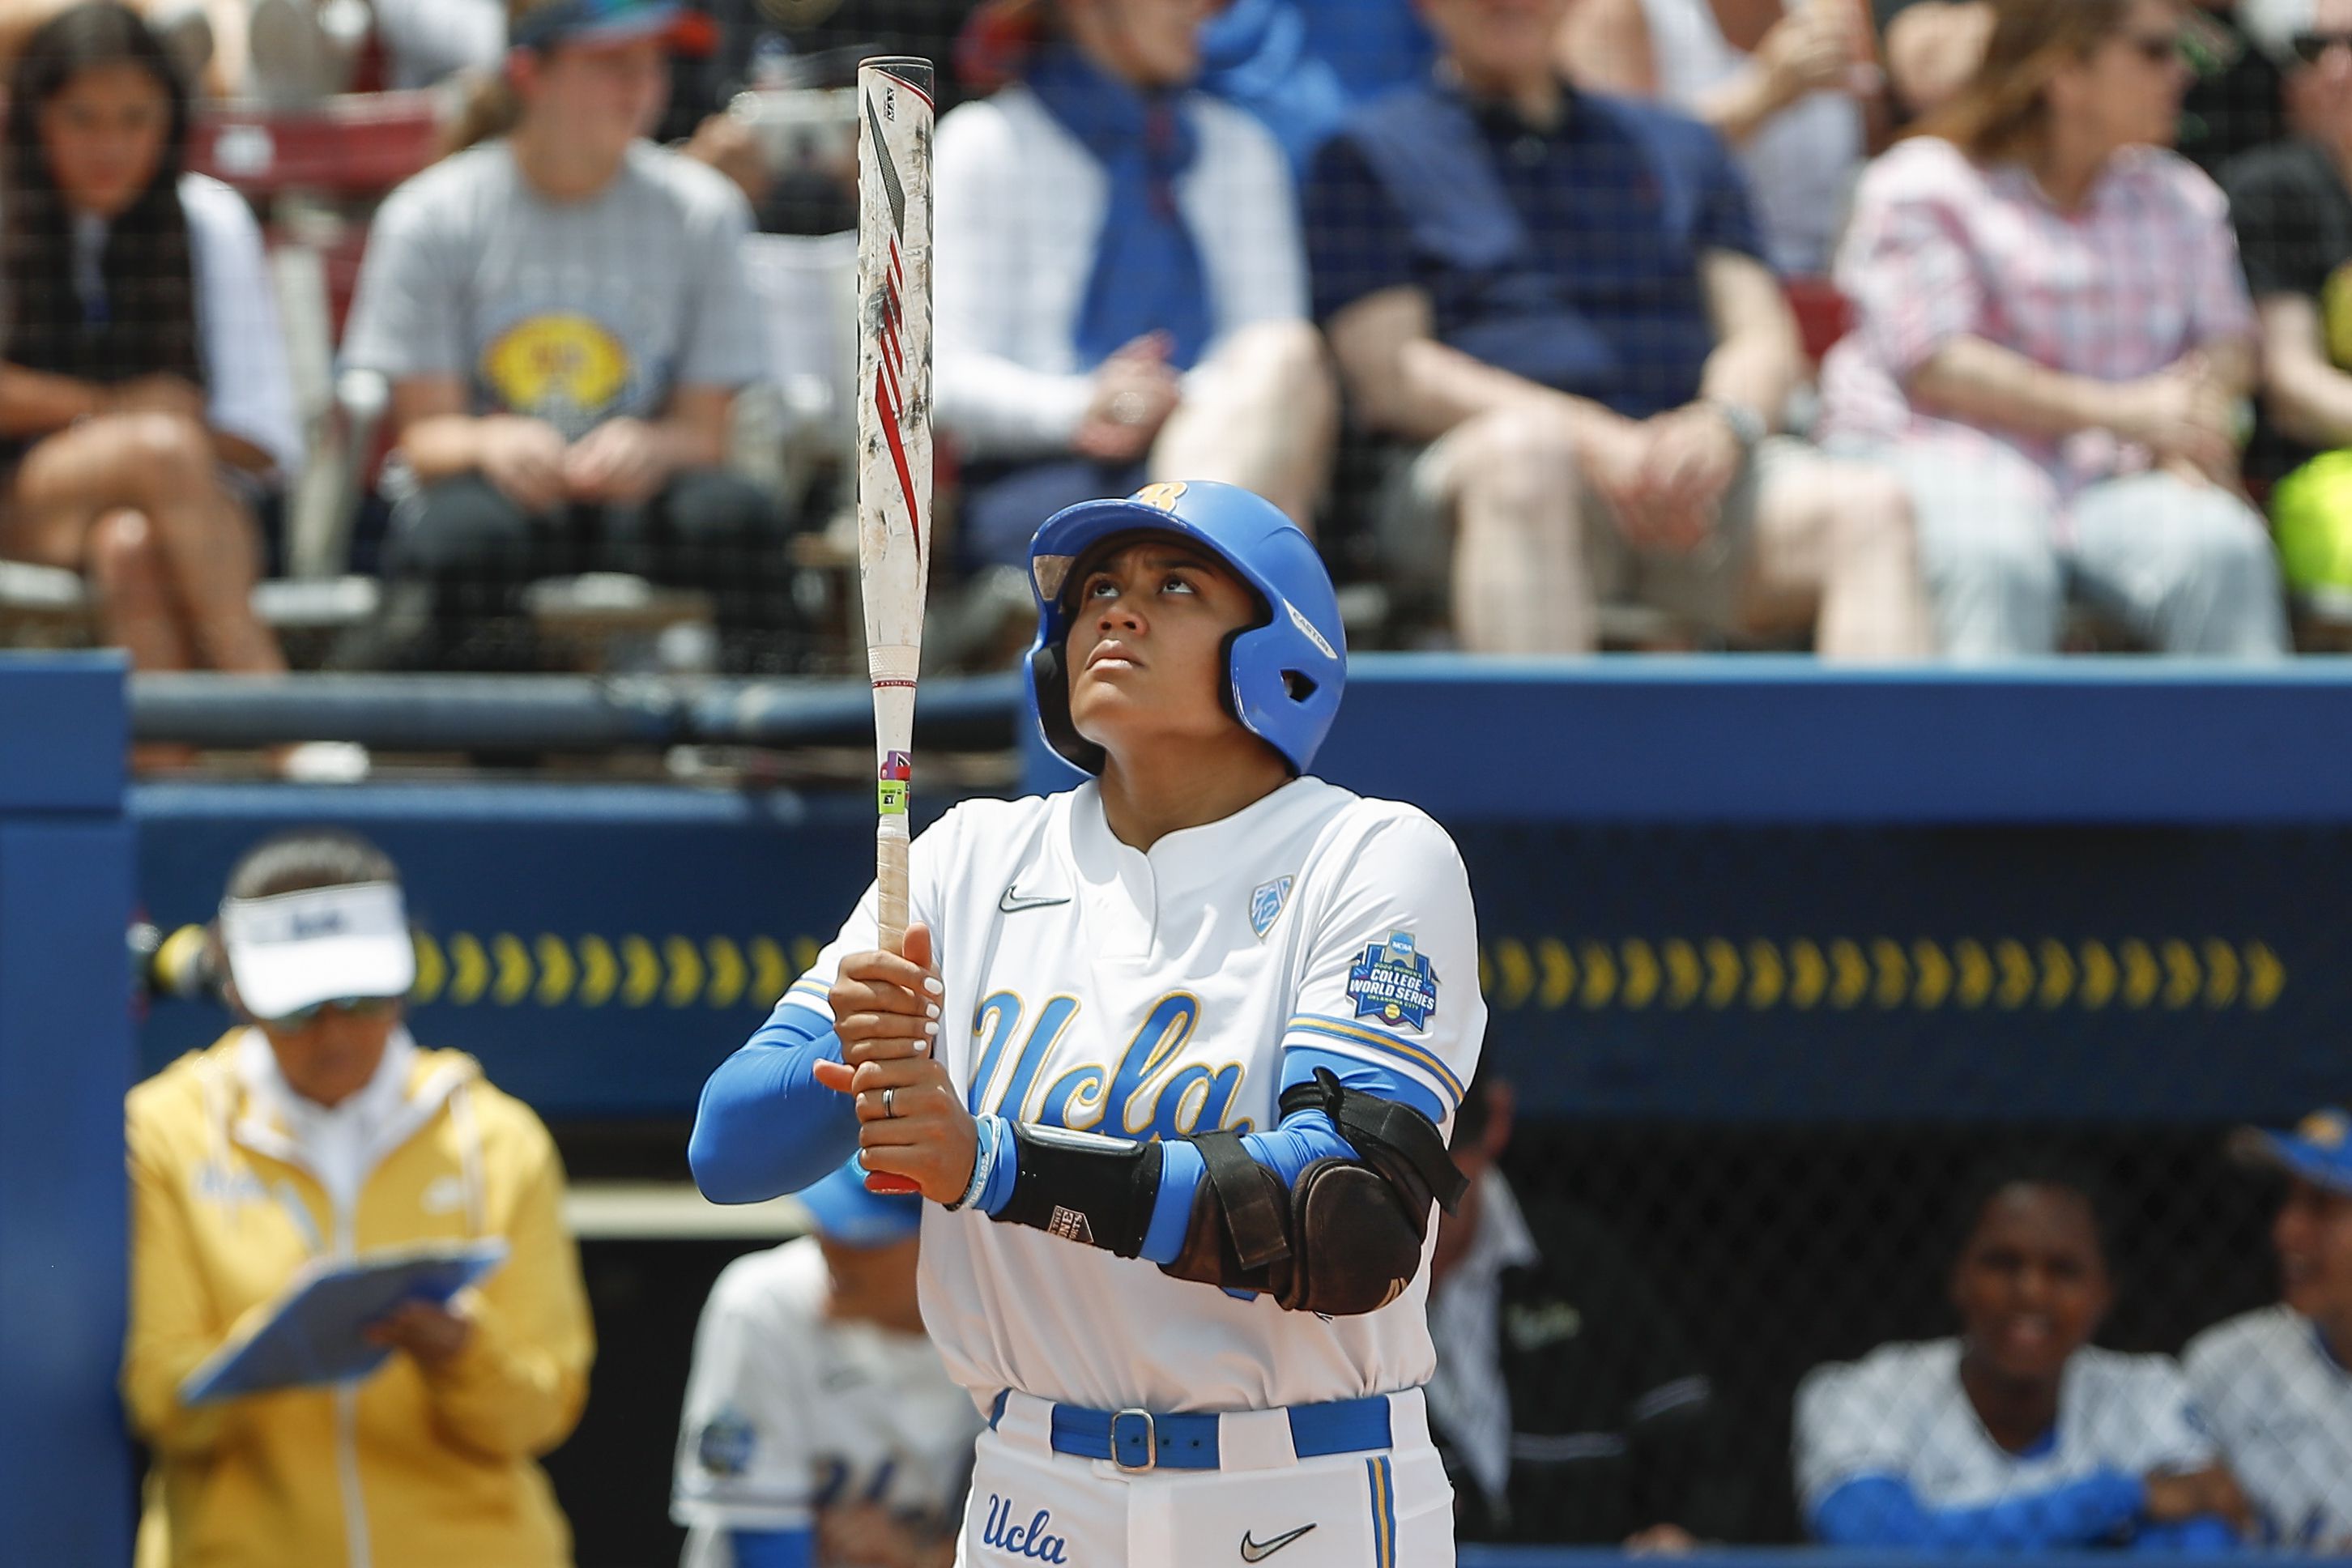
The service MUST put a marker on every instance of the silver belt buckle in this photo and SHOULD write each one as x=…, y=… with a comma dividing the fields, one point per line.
x=1150, y=1442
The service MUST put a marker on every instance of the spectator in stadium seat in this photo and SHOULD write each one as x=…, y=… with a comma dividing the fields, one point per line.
x=821, y=1427
x=2292, y=204
x=1934, y=47
x=144, y=396
x=1121, y=290
x=2051, y=338
x=2276, y=1384
x=2020, y=1433
x=1566, y=1404
x=1786, y=87
x=1560, y=297
x=425, y=41
x=318, y=1128
x=564, y=317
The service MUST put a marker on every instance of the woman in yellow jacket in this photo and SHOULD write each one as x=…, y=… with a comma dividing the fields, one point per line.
x=321, y=1130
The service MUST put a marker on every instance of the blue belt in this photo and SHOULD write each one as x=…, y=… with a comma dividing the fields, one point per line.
x=1144, y=1440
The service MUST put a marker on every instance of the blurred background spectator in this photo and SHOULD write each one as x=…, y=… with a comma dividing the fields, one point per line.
x=144, y=393
x=319, y=1129
x=425, y=41
x=2292, y=204
x=1565, y=1402
x=2053, y=337
x=1121, y=290
x=563, y=315
x=2276, y=1384
x=821, y=1429
x=2020, y=1433
x=1789, y=87
x=1557, y=301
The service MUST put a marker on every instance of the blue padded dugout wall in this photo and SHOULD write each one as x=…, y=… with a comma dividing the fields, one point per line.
x=1744, y=890
x=65, y=1063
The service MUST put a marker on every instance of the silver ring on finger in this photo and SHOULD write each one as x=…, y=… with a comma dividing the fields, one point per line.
x=889, y=1108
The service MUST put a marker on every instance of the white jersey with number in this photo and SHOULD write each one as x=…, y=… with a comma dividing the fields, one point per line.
x=1137, y=994
x=1900, y=1412
x=789, y=1412
x=2282, y=1408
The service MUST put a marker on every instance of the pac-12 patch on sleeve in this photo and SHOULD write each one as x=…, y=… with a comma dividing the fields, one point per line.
x=1394, y=982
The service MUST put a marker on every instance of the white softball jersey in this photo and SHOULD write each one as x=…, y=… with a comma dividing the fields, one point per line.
x=1141, y=994
x=790, y=1411
x=1900, y=1412
x=2283, y=1409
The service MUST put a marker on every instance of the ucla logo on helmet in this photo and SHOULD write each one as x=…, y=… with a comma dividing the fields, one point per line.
x=1266, y=905
x=1394, y=982
x=1164, y=495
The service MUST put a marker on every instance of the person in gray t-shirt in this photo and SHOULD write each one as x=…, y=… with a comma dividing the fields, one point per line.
x=565, y=319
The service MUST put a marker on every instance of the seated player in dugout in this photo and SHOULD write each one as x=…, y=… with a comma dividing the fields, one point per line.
x=563, y=314
x=2020, y=1433
x=2276, y=1383
x=1566, y=1401
x=821, y=1429
x=318, y=1127
x=1168, y=1054
x=1555, y=303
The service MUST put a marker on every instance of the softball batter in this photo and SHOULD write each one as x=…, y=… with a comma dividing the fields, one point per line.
x=1170, y=1054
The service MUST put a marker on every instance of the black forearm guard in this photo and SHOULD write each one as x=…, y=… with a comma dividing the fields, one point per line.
x=1083, y=1187
x=1346, y=1238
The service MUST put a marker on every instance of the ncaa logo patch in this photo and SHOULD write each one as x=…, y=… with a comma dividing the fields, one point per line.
x=1266, y=905
x=727, y=1444
x=1394, y=982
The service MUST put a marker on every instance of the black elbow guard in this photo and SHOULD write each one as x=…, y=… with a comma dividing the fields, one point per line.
x=1083, y=1187
x=1346, y=1238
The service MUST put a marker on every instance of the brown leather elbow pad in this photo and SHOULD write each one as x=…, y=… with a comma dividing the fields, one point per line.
x=1338, y=1241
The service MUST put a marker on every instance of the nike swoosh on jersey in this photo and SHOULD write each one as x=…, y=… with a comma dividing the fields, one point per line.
x=1259, y=1551
x=1012, y=903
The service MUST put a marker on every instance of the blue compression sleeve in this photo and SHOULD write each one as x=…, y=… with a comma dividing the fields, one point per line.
x=774, y=1548
x=1297, y=1142
x=766, y=1127
x=1883, y=1511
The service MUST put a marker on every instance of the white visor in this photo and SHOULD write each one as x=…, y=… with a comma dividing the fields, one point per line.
x=324, y=944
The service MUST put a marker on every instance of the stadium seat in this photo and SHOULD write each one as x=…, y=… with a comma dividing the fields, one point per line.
x=356, y=146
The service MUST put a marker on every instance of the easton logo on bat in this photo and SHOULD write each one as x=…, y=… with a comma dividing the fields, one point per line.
x=890, y=361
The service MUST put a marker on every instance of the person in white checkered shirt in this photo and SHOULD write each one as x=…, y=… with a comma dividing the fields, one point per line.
x=2052, y=341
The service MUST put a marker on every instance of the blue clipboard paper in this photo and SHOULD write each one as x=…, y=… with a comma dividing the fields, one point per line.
x=317, y=1334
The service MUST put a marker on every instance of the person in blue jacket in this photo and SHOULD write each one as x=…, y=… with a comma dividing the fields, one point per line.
x=2020, y=1433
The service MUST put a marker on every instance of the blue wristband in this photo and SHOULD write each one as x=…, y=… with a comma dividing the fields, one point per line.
x=991, y=1133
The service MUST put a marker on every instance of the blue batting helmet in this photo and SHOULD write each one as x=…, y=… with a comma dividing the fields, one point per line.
x=841, y=1210
x=1283, y=673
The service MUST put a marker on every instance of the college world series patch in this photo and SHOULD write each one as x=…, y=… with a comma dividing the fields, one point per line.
x=1393, y=981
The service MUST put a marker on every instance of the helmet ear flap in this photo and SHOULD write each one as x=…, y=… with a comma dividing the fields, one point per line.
x=1049, y=683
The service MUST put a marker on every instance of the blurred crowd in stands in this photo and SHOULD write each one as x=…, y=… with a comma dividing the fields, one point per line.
x=1971, y=329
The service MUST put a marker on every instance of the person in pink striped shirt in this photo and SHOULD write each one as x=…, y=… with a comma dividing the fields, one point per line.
x=2052, y=341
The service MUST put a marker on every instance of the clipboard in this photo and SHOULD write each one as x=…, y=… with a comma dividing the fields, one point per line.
x=315, y=1334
